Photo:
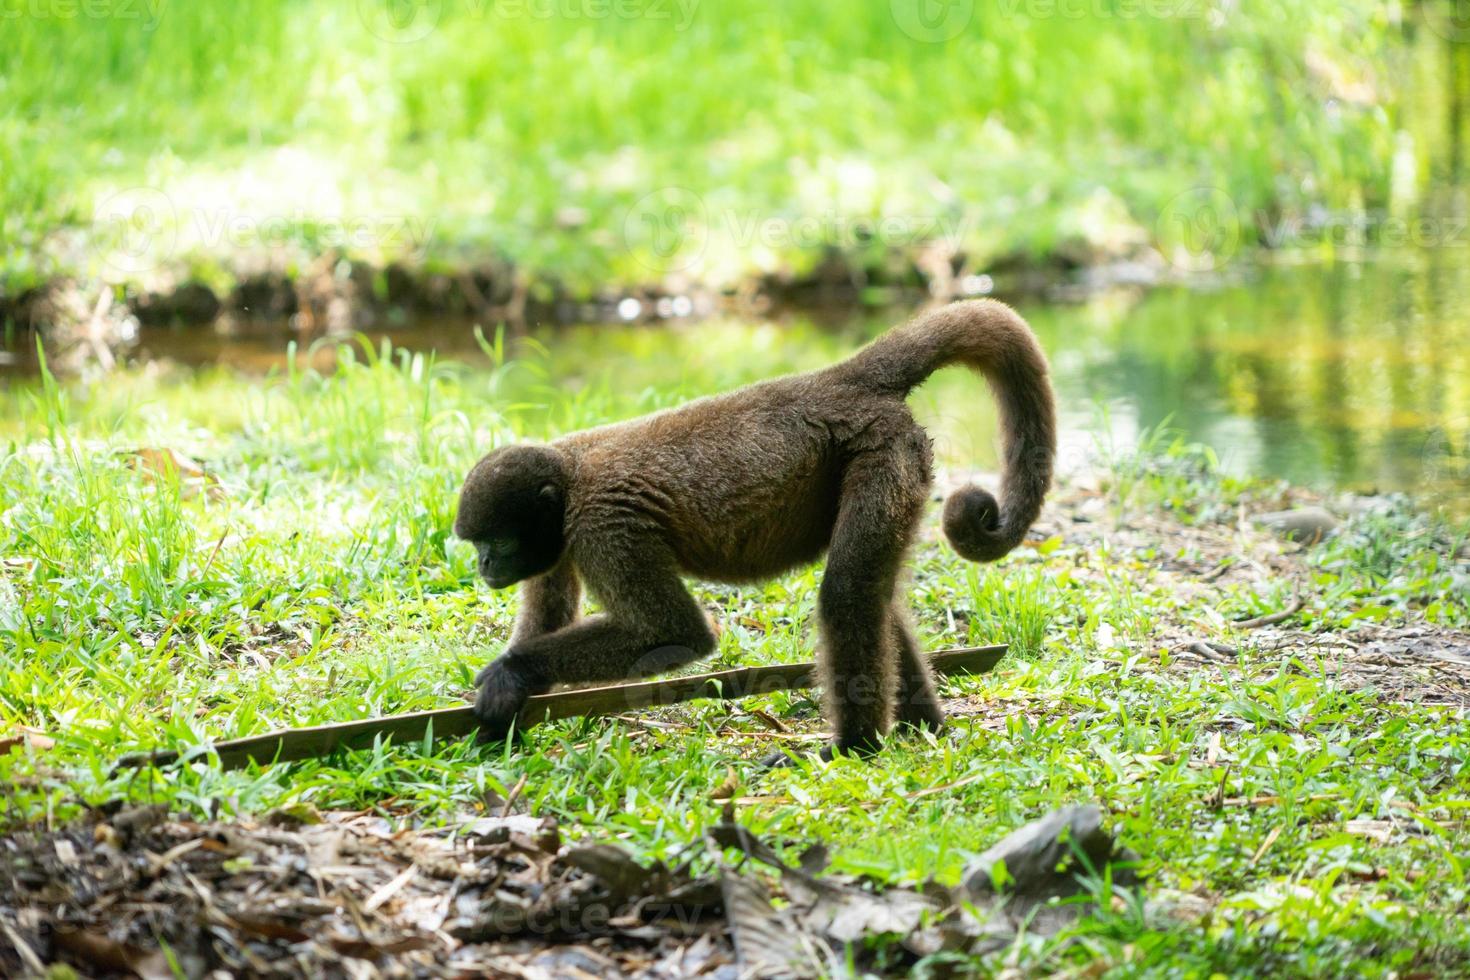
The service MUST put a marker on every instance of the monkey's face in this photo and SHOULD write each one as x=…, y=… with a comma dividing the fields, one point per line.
x=513, y=510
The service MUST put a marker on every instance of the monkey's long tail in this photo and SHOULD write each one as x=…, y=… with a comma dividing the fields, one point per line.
x=993, y=339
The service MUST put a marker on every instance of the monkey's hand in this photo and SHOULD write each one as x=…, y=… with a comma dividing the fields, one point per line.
x=783, y=760
x=504, y=685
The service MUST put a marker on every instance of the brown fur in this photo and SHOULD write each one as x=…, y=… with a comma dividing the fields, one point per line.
x=742, y=487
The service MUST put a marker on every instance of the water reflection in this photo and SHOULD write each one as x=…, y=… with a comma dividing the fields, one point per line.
x=1350, y=375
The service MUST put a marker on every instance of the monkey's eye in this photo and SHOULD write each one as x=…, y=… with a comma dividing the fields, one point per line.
x=501, y=547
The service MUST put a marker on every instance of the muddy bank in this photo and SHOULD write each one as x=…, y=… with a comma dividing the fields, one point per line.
x=95, y=321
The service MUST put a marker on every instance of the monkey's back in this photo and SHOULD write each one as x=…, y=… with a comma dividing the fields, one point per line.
x=777, y=450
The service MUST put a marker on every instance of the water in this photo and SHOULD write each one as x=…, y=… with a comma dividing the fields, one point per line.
x=1351, y=376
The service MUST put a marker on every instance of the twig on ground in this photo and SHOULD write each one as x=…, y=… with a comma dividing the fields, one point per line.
x=1383, y=874
x=785, y=736
x=1224, y=566
x=513, y=795
x=28, y=957
x=767, y=719
x=1260, y=801
x=650, y=724
x=1218, y=652
x=932, y=790
x=1217, y=799
x=1265, y=846
x=1292, y=608
x=381, y=897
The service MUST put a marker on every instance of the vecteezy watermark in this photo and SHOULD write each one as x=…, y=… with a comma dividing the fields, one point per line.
x=1450, y=19
x=678, y=13
x=407, y=21
x=1379, y=229
x=938, y=21
x=1105, y=9
x=142, y=228
x=1202, y=230
x=1446, y=461
x=146, y=12
x=1199, y=231
x=670, y=229
x=932, y=21
x=392, y=233
x=139, y=226
x=400, y=21
x=578, y=911
x=751, y=228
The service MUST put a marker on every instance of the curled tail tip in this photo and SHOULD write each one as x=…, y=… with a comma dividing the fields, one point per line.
x=973, y=525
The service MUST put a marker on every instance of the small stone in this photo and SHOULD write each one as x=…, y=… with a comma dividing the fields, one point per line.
x=497, y=830
x=1033, y=853
x=1306, y=524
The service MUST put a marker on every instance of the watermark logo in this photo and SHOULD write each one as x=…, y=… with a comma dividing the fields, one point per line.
x=1105, y=9
x=1364, y=229
x=146, y=12
x=932, y=21
x=390, y=234
x=407, y=21
x=959, y=443
x=750, y=228
x=1199, y=231
x=1450, y=19
x=400, y=21
x=679, y=13
x=1446, y=460
x=140, y=226
x=671, y=225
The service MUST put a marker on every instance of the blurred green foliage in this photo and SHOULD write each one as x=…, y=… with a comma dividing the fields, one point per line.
x=534, y=130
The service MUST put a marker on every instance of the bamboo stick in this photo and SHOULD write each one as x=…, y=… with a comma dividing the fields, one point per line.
x=294, y=744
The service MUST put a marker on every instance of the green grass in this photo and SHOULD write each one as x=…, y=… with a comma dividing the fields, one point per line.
x=501, y=132
x=324, y=585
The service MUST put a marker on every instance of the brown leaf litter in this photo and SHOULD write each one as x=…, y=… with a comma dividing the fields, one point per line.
x=148, y=894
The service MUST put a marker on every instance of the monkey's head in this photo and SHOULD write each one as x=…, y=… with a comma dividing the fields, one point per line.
x=512, y=508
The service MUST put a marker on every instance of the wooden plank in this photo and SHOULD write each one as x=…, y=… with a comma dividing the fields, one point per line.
x=294, y=744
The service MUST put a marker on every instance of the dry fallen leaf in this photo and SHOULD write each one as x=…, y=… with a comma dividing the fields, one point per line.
x=766, y=943
x=1379, y=830
x=158, y=465
x=97, y=950
x=728, y=788
x=23, y=735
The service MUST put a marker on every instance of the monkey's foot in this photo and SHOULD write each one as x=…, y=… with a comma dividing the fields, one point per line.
x=924, y=717
x=784, y=760
x=787, y=760
x=504, y=686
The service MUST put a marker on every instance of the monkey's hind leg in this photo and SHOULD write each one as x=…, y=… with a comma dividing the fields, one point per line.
x=918, y=704
x=882, y=499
